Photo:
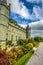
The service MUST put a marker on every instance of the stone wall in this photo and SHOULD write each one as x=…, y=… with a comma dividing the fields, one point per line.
x=4, y=19
x=9, y=30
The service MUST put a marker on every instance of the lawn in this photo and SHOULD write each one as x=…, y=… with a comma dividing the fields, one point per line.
x=24, y=59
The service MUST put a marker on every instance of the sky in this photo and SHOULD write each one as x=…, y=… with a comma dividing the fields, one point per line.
x=28, y=12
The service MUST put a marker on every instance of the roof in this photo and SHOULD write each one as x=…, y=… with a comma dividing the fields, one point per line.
x=15, y=23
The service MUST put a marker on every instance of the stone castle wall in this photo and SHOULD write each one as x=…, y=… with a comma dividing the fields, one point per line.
x=9, y=30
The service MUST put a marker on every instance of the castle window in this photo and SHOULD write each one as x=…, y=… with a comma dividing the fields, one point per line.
x=0, y=8
x=16, y=38
x=6, y=36
x=11, y=37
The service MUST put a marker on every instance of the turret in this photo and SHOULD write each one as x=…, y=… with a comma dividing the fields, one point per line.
x=3, y=1
x=28, y=31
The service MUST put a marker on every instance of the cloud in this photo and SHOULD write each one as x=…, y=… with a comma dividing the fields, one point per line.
x=38, y=12
x=38, y=25
x=36, y=28
x=23, y=25
x=36, y=33
x=19, y=8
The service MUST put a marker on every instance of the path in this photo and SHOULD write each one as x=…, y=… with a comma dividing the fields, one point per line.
x=38, y=58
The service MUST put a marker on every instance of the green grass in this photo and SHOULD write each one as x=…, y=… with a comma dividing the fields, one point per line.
x=24, y=59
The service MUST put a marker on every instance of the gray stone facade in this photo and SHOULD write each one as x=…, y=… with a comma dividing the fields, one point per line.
x=9, y=29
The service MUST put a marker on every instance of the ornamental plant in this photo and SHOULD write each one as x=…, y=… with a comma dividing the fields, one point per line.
x=3, y=58
x=29, y=46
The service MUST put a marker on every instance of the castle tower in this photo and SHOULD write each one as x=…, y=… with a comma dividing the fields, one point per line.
x=3, y=1
x=4, y=19
x=28, y=31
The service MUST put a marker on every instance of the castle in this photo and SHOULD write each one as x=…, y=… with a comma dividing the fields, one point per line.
x=9, y=29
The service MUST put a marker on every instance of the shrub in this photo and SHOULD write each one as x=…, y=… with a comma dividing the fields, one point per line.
x=24, y=50
x=12, y=55
x=9, y=43
x=29, y=40
x=3, y=58
x=19, y=51
x=11, y=61
x=0, y=47
x=34, y=43
x=38, y=39
x=20, y=42
x=29, y=46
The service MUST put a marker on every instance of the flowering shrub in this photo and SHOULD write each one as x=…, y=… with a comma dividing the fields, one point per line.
x=3, y=58
x=12, y=55
x=19, y=51
x=29, y=46
x=24, y=50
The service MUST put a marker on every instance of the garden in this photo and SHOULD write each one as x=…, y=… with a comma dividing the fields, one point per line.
x=19, y=54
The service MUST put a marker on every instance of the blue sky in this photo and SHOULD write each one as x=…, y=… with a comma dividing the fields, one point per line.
x=27, y=12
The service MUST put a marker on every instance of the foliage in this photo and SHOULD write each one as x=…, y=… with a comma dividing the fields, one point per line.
x=0, y=47
x=24, y=50
x=29, y=46
x=3, y=58
x=19, y=51
x=12, y=55
x=24, y=59
x=9, y=43
x=38, y=39
x=11, y=61
x=20, y=41
x=29, y=40
x=34, y=44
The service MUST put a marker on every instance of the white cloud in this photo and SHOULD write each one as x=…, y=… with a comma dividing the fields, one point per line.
x=38, y=12
x=36, y=25
x=23, y=25
x=19, y=8
x=36, y=28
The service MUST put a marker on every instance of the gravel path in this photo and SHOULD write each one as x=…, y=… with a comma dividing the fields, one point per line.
x=38, y=58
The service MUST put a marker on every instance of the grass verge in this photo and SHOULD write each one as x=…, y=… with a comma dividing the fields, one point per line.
x=24, y=59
